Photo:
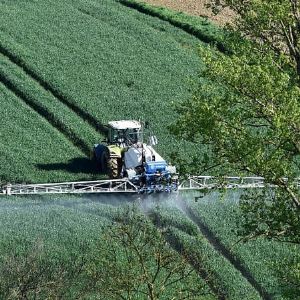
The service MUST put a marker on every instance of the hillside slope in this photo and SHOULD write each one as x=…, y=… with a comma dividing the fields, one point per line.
x=97, y=61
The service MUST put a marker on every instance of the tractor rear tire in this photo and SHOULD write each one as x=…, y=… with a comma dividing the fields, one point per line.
x=104, y=161
x=93, y=156
x=114, y=168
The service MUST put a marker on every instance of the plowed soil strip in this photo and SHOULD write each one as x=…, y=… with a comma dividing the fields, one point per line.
x=220, y=247
x=197, y=8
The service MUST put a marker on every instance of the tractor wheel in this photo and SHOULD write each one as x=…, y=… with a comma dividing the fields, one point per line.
x=104, y=161
x=114, y=168
x=93, y=156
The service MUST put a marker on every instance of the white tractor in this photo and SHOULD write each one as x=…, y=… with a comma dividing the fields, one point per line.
x=125, y=154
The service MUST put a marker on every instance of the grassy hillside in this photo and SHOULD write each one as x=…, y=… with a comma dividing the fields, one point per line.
x=83, y=63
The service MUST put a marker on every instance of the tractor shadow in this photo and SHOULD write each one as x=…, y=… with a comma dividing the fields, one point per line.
x=76, y=165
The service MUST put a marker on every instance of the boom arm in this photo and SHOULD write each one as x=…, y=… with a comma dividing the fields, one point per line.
x=124, y=185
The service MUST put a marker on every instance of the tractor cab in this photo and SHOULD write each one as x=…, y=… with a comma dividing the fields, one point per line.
x=124, y=133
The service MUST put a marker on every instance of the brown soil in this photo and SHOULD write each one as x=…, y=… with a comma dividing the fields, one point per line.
x=196, y=8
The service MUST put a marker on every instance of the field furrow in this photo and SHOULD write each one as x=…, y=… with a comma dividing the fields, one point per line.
x=222, y=249
x=224, y=279
x=51, y=118
x=179, y=247
x=195, y=261
x=8, y=52
x=29, y=141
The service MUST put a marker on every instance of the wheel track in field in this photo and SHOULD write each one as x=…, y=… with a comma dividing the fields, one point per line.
x=140, y=7
x=205, y=275
x=55, y=93
x=223, y=250
x=71, y=136
x=196, y=265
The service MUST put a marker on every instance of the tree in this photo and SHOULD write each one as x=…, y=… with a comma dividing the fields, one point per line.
x=129, y=260
x=246, y=111
x=135, y=262
x=271, y=24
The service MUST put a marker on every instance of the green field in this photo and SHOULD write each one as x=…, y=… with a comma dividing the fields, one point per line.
x=259, y=260
x=78, y=62
x=66, y=69
x=28, y=140
x=58, y=240
x=69, y=228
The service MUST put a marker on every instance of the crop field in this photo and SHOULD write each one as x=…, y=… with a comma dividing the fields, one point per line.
x=61, y=231
x=224, y=278
x=68, y=229
x=81, y=67
x=28, y=141
x=260, y=257
x=66, y=69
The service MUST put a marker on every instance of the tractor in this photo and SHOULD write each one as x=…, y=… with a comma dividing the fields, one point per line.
x=125, y=155
x=133, y=167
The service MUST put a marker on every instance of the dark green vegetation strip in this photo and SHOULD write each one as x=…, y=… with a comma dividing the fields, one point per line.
x=182, y=233
x=199, y=27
